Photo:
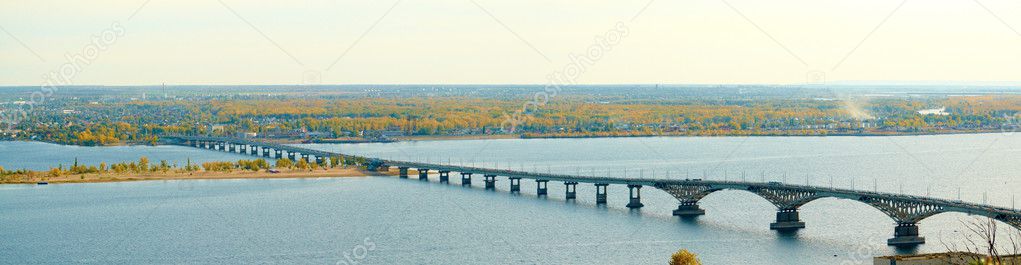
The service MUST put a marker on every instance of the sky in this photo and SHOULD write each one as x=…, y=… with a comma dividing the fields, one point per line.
x=146, y=42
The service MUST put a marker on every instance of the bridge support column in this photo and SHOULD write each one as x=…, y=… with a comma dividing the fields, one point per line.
x=490, y=181
x=279, y=154
x=466, y=179
x=905, y=235
x=265, y=152
x=244, y=149
x=787, y=220
x=515, y=184
x=601, y=193
x=541, y=187
x=635, y=193
x=444, y=176
x=319, y=160
x=305, y=157
x=570, y=190
x=404, y=172
x=688, y=209
x=423, y=174
x=230, y=148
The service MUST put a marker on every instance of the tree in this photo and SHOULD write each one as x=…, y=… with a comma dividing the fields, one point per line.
x=981, y=245
x=313, y=165
x=189, y=167
x=683, y=257
x=55, y=172
x=143, y=164
x=284, y=163
x=334, y=161
x=301, y=164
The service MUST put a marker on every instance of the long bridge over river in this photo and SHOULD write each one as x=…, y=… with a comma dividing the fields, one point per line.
x=906, y=210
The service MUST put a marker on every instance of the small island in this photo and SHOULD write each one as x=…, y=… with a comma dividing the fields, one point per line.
x=144, y=170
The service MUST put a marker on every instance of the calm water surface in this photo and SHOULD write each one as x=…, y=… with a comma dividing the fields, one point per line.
x=382, y=220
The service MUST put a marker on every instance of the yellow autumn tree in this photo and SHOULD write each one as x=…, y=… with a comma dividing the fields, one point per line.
x=683, y=257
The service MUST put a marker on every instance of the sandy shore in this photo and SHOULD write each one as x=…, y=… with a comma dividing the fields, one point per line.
x=113, y=177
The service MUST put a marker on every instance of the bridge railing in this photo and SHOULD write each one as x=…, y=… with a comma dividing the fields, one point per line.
x=849, y=193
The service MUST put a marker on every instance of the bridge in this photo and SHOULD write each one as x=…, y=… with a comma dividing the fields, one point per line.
x=906, y=210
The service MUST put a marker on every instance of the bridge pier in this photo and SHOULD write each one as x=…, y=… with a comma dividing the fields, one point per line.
x=244, y=149
x=601, y=193
x=305, y=157
x=515, y=184
x=466, y=179
x=490, y=181
x=404, y=172
x=688, y=209
x=541, y=187
x=444, y=176
x=320, y=160
x=230, y=148
x=635, y=195
x=423, y=174
x=570, y=190
x=905, y=235
x=279, y=154
x=787, y=220
x=265, y=152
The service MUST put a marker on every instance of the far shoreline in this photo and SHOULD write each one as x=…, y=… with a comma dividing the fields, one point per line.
x=514, y=136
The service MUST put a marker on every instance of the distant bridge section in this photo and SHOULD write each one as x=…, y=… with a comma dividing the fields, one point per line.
x=906, y=210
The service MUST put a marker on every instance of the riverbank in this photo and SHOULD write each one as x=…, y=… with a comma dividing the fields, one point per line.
x=172, y=175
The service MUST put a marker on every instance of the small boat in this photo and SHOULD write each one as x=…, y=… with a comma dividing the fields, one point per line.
x=42, y=183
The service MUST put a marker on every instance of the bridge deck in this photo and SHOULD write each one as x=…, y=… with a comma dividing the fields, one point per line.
x=946, y=205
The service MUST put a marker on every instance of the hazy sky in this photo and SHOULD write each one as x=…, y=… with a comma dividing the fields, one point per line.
x=520, y=41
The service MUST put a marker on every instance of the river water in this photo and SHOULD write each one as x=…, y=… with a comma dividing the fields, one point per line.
x=384, y=220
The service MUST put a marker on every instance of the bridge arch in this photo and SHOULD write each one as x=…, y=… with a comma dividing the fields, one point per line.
x=1000, y=220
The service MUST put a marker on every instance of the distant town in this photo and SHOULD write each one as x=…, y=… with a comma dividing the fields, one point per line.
x=139, y=115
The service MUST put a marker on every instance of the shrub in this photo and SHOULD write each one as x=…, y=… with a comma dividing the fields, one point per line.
x=683, y=257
